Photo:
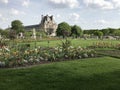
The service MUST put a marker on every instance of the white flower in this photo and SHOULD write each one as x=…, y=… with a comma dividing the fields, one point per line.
x=79, y=57
x=41, y=58
x=6, y=49
x=92, y=55
x=66, y=56
x=25, y=61
x=36, y=49
x=85, y=55
x=2, y=64
x=56, y=48
x=37, y=60
x=31, y=59
x=71, y=47
x=79, y=46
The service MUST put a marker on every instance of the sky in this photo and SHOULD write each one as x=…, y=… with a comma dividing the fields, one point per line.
x=88, y=14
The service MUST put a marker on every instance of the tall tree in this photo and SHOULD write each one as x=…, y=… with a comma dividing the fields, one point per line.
x=76, y=30
x=17, y=26
x=98, y=33
x=106, y=31
x=63, y=29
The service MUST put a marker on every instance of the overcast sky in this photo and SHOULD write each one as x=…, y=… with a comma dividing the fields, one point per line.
x=88, y=14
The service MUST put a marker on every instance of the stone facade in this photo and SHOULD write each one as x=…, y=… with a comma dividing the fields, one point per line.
x=47, y=25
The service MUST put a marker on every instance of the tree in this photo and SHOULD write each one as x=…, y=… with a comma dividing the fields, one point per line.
x=99, y=34
x=106, y=31
x=63, y=29
x=117, y=32
x=76, y=30
x=90, y=31
x=111, y=30
x=17, y=26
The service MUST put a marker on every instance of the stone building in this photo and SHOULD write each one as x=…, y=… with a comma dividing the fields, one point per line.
x=47, y=25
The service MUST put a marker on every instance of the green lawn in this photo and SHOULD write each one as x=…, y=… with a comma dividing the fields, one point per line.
x=75, y=42
x=85, y=74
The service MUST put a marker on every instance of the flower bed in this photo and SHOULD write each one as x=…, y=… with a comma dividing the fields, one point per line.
x=105, y=45
x=26, y=56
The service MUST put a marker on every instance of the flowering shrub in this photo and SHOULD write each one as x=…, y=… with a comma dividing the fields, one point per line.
x=103, y=45
x=22, y=57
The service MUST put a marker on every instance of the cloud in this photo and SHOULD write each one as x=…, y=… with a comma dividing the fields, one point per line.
x=74, y=16
x=58, y=16
x=3, y=19
x=102, y=4
x=64, y=3
x=17, y=12
x=4, y=1
x=26, y=3
x=102, y=22
x=0, y=15
x=116, y=3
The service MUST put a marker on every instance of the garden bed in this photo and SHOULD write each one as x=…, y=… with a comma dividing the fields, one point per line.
x=22, y=55
x=25, y=56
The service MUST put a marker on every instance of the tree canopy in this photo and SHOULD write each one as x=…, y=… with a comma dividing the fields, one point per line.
x=76, y=30
x=106, y=31
x=98, y=33
x=17, y=26
x=117, y=32
x=63, y=29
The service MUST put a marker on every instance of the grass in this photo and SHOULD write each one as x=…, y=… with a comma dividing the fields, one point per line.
x=112, y=53
x=75, y=42
x=85, y=74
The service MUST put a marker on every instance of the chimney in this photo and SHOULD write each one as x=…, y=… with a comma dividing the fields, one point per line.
x=42, y=17
x=52, y=18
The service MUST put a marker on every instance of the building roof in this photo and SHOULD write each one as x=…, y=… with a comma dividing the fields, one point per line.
x=32, y=26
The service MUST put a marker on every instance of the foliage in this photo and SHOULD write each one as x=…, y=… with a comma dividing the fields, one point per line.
x=12, y=34
x=24, y=55
x=106, y=31
x=103, y=45
x=4, y=33
x=28, y=34
x=63, y=29
x=117, y=32
x=39, y=34
x=99, y=34
x=17, y=26
x=76, y=30
x=118, y=46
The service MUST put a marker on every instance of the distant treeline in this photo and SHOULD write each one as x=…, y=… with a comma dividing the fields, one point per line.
x=107, y=31
x=97, y=32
